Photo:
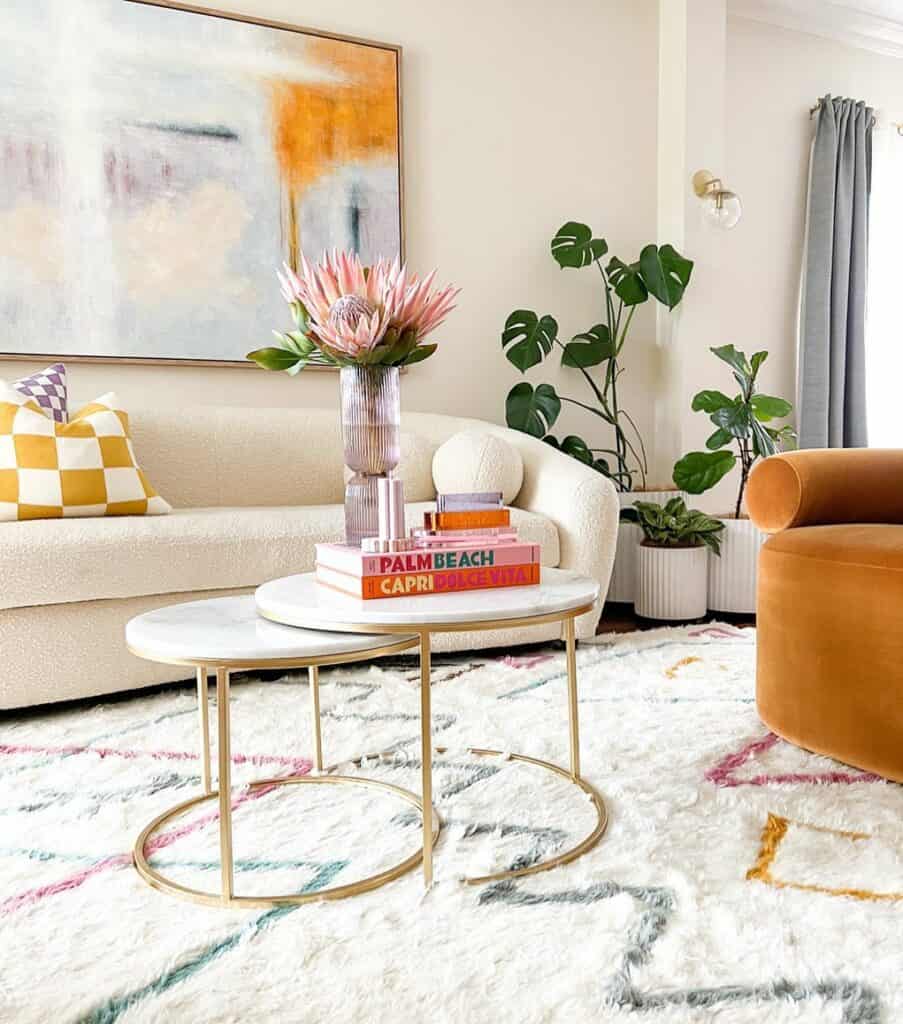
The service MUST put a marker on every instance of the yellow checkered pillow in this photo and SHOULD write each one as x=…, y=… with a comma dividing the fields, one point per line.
x=85, y=467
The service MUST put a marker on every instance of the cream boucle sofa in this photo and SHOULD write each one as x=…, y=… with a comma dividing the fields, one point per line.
x=253, y=491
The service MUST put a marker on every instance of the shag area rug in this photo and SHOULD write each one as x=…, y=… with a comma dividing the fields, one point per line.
x=740, y=880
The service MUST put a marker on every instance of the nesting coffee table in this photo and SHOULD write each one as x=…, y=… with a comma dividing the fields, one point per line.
x=222, y=635
x=296, y=622
x=561, y=596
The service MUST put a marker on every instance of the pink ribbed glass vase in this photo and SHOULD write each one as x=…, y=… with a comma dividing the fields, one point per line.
x=371, y=432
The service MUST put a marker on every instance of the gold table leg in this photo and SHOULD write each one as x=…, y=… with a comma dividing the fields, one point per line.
x=224, y=782
x=313, y=675
x=426, y=757
x=571, y=641
x=204, y=717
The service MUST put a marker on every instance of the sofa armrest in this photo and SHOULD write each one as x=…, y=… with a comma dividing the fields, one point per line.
x=820, y=486
x=582, y=504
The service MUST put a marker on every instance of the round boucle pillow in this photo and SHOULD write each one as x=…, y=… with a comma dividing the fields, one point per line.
x=476, y=460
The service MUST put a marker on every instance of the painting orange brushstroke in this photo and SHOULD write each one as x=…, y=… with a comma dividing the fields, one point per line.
x=320, y=125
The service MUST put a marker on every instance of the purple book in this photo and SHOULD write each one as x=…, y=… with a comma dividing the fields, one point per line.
x=474, y=501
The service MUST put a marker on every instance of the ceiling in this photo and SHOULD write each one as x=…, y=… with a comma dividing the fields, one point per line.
x=871, y=24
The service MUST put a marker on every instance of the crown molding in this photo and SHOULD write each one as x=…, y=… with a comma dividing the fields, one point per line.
x=852, y=24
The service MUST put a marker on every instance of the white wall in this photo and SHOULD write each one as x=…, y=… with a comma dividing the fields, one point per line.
x=773, y=76
x=517, y=117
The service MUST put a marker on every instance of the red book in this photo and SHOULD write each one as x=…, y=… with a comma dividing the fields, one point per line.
x=422, y=583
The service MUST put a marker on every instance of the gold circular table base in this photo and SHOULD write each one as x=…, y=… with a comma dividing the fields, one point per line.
x=584, y=846
x=164, y=884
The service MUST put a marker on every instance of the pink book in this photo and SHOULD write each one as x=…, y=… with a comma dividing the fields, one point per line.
x=353, y=562
x=484, y=535
x=422, y=583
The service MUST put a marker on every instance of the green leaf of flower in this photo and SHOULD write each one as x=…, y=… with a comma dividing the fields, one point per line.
x=530, y=338
x=418, y=354
x=532, y=410
x=297, y=342
x=574, y=245
x=276, y=358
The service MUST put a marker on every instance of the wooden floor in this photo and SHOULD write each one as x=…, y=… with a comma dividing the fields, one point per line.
x=621, y=618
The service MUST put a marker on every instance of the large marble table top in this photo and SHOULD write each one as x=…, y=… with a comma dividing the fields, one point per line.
x=301, y=601
x=228, y=629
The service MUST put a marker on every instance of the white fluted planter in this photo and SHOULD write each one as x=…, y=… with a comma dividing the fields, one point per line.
x=622, y=586
x=732, y=577
x=671, y=583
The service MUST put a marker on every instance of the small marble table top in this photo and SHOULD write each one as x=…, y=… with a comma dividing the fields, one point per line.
x=228, y=629
x=301, y=601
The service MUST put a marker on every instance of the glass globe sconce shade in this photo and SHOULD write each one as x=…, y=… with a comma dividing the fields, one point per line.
x=721, y=207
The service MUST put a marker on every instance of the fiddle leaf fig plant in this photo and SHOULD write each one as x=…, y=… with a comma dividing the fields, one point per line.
x=746, y=420
x=529, y=338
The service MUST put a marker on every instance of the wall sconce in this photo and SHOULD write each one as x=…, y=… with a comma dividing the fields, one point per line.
x=721, y=207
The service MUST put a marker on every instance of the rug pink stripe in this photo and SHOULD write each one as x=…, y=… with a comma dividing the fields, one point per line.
x=160, y=842
x=722, y=774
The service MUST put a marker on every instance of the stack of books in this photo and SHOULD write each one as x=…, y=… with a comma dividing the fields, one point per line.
x=468, y=543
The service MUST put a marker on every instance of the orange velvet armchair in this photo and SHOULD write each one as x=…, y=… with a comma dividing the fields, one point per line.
x=829, y=673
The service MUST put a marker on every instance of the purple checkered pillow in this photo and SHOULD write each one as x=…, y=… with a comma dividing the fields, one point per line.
x=48, y=389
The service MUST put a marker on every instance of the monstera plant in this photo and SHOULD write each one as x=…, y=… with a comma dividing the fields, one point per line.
x=660, y=272
x=745, y=421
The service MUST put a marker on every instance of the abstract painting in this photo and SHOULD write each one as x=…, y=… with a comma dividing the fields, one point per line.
x=158, y=164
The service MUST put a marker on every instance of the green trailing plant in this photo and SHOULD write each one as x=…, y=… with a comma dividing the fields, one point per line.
x=673, y=525
x=528, y=338
x=746, y=421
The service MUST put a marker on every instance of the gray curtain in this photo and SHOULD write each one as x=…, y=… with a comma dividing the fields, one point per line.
x=831, y=398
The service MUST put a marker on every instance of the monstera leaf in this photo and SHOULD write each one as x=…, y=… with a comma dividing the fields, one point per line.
x=665, y=273
x=532, y=410
x=699, y=471
x=627, y=282
x=589, y=349
x=574, y=245
x=527, y=338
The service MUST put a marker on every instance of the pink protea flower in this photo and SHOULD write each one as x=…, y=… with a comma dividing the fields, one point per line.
x=351, y=308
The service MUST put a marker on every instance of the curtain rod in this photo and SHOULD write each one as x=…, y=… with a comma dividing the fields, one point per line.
x=894, y=124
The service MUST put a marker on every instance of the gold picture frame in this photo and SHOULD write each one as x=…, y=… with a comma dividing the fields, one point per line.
x=386, y=184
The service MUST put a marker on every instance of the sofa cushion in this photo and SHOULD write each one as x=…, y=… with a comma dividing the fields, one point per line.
x=875, y=545
x=48, y=389
x=477, y=460
x=84, y=467
x=55, y=561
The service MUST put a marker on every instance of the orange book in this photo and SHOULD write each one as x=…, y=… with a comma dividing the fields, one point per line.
x=473, y=520
x=411, y=584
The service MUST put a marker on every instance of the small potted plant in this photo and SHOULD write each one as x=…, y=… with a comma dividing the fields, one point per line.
x=672, y=559
x=746, y=421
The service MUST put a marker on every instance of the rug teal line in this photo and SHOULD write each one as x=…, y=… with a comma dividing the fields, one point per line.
x=110, y=1011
